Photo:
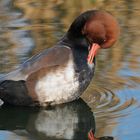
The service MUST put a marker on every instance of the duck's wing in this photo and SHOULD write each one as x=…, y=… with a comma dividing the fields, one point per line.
x=49, y=58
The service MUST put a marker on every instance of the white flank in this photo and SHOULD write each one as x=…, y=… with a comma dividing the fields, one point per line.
x=59, y=86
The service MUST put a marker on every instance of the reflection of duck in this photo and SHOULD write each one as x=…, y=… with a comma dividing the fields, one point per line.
x=68, y=121
x=60, y=74
x=92, y=137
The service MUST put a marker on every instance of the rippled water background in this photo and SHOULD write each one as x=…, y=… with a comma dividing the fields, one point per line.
x=29, y=26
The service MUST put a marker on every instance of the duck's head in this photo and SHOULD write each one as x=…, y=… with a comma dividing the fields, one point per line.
x=100, y=29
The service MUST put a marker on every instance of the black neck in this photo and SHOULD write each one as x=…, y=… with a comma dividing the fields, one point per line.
x=73, y=42
x=79, y=47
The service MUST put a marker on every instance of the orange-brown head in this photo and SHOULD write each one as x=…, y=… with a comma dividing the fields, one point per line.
x=100, y=29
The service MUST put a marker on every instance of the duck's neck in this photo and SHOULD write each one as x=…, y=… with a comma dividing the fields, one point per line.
x=79, y=47
x=75, y=42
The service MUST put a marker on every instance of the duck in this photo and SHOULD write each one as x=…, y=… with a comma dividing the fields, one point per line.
x=61, y=73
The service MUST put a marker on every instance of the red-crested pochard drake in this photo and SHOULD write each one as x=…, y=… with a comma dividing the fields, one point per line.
x=60, y=74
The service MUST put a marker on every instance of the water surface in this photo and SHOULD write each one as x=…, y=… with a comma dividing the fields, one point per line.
x=112, y=101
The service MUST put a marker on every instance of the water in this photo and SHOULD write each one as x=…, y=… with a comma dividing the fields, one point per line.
x=111, y=103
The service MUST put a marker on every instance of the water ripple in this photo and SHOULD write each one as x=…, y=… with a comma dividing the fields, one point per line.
x=114, y=105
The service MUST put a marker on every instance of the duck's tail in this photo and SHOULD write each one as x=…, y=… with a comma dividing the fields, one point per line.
x=14, y=93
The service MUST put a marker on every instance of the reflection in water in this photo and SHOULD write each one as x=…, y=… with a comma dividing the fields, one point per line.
x=27, y=27
x=115, y=111
x=68, y=121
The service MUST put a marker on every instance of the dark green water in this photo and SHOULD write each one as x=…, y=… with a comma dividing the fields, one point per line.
x=112, y=101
